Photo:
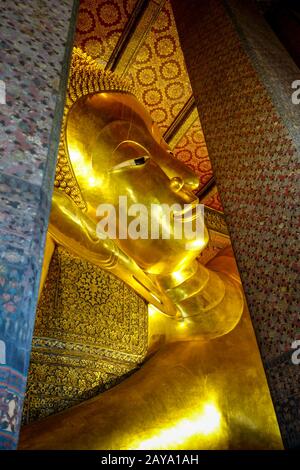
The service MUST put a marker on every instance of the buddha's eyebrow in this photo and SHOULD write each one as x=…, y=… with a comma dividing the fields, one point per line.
x=132, y=162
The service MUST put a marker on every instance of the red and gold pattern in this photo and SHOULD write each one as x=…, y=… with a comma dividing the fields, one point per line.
x=100, y=23
x=213, y=200
x=158, y=71
x=192, y=150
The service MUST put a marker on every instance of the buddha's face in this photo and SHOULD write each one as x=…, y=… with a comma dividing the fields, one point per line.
x=116, y=150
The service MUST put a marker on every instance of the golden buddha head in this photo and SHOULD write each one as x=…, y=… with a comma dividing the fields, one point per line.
x=113, y=148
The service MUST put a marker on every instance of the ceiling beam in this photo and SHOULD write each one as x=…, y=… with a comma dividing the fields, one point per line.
x=203, y=192
x=184, y=120
x=136, y=30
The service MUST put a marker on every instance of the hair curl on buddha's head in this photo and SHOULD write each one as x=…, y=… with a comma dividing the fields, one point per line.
x=86, y=77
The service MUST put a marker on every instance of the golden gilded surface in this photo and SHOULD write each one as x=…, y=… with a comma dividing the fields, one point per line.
x=153, y=61
x=193, y=393
x=87, y=77
x=104, y=131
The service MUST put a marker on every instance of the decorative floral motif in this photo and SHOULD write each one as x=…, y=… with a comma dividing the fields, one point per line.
x=100, y=24
x=90, y=331
x=162, y=48
x=157, y=70
x=192, y=150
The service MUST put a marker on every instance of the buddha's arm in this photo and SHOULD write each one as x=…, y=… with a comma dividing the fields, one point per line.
x=71, y=228
x=192, y=395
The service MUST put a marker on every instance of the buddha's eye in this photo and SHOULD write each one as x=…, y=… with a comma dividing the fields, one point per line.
x=132, y=163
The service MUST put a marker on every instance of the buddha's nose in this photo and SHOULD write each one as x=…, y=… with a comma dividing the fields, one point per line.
x=177, y=169
x=192, y=182
x=178, y=185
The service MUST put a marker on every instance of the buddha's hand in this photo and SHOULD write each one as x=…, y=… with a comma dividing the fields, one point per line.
x=72, y=228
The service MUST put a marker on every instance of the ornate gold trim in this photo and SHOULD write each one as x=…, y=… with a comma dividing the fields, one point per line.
x=186, y=124
x=215, y=220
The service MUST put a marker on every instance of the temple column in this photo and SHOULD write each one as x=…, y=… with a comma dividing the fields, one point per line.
x=36, y=41
x=242, y=79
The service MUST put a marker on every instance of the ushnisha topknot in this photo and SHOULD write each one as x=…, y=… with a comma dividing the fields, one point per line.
x=86, y=77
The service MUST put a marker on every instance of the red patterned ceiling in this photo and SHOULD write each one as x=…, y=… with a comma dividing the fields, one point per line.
x=100, y=24
x=192, y=150
x=157, y=70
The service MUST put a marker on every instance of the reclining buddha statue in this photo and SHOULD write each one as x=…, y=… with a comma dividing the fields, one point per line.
x=110, y=147
x=111, y=151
